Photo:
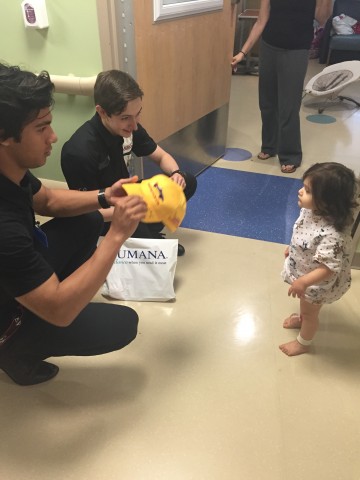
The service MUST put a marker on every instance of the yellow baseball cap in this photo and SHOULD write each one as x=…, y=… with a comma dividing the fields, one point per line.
x=164, y=198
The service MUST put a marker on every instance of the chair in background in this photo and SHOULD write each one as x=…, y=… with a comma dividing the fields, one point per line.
x=332, y=80
x=340, y=48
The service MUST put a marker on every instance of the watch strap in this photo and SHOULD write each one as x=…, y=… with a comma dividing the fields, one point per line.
x=102, y=199
x=180, y=172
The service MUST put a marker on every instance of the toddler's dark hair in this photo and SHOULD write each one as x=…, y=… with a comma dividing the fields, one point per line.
x=334, y=190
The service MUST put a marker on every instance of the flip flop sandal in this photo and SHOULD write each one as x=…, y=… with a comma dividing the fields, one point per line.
x=288, y=168
x=264, y=156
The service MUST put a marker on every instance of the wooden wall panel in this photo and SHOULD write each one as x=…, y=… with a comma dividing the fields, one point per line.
x=183, y=66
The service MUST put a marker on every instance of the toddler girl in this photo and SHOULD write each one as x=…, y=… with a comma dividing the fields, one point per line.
x=318, y=260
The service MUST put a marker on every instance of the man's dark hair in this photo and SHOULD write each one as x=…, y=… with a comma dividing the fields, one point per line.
x=114, y=89
x=22, y=95
x=334, y=189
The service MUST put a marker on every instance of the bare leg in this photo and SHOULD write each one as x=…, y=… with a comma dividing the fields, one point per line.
x=309, y=324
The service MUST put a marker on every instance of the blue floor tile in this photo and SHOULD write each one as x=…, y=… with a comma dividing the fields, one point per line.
x=244, y=204
x=236, y=155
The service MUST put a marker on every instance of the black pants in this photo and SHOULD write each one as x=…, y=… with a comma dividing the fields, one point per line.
x=281, y=82
x=98, y=329
x=152, y=230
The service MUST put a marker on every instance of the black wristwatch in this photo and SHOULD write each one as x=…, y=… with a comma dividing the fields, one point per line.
x=183, y=174
x=102, y=199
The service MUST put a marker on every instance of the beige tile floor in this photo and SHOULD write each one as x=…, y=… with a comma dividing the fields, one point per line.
x=204, y=393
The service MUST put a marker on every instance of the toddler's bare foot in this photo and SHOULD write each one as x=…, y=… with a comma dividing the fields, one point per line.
x=293, y=348
x=294, y=321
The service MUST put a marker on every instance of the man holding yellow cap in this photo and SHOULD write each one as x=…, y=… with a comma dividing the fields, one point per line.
x=100, y=151
x=164, y=198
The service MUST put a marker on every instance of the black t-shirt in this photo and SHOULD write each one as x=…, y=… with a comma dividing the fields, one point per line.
x=291, y=24
x=22, y=267
x=94, y=158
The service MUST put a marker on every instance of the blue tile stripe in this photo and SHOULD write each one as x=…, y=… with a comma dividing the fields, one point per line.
x=244, y=204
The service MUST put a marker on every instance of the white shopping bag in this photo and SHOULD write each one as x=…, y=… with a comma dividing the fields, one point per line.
x=143, y=270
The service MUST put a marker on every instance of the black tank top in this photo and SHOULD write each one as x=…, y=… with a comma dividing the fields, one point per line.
x=291, y=24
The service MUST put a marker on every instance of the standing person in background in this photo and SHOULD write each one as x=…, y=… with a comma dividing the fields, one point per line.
x=100, y=151
x=318, y=260
x=49, y=275
x=287, y=30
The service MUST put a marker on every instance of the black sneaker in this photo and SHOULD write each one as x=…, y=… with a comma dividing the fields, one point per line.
x=181, y=250
x=23, y=374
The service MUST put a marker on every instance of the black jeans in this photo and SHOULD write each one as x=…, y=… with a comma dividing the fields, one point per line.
x=98, y=329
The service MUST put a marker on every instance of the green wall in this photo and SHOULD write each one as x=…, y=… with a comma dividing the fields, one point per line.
x=69, y=46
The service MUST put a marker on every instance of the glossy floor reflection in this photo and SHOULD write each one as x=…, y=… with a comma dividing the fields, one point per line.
x=204, y=393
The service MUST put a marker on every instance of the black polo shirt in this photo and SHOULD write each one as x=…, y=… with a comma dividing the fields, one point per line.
x=94, y=158
x=22, y=267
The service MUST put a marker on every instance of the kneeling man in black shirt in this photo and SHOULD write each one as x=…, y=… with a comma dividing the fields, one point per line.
x=101, y=150
x=49, y=275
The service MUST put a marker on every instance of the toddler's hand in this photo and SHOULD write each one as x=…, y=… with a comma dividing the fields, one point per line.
x=297, y=289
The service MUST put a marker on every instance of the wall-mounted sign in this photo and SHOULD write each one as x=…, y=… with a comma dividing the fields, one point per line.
x=166, y=9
